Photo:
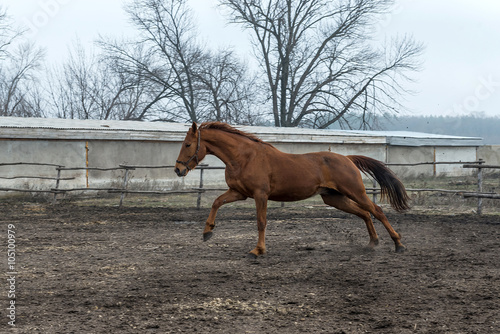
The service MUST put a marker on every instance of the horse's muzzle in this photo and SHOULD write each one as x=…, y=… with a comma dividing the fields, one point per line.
x=179, y=172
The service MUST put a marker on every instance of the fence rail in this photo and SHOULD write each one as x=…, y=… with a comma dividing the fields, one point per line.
x=56, y=190
x=35, y=177
x=29, y=163
x=374, y=191
x=431, y=163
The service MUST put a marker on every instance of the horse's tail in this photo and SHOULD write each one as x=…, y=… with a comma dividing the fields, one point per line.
x=390, y=184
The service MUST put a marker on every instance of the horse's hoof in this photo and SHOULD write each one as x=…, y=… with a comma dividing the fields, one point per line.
x=252, y=256
x=400, y=249
x=207, y=236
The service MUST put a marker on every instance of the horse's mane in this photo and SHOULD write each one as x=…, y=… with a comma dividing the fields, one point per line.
x=229, y=129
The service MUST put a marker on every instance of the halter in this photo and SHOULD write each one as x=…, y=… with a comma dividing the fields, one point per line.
x=195, y=156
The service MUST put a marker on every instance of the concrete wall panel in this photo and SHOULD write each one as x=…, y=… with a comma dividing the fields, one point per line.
x=446, y=154
x=411, y=155
x=66, y=153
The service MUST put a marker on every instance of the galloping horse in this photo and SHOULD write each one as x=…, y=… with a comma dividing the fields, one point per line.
x=258, y=170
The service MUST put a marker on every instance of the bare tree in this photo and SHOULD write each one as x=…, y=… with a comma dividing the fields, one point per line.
x=88, y=86
x=128, y=96
x=18, y=82
x=151, y=88
x=228, y=90
x=19, y=64
x=74, y=84
x=319, y=62
x=186, y=82
x=7, y=33
x=168, y=35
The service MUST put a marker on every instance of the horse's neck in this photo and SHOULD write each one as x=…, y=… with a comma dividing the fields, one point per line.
x=225, y=146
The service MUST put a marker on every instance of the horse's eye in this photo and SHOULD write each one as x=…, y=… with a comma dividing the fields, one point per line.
x=188, y=145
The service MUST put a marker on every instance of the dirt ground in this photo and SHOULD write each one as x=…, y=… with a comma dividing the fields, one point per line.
x=100, y=269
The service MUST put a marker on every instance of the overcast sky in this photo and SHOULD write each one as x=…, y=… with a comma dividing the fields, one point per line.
x=462, y=37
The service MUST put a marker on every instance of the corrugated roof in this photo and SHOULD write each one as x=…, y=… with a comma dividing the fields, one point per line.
x=70, y=129
x=409, y=138
x=88, y=124
x=57, y=128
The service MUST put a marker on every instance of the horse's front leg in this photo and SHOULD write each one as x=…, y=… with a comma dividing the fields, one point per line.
x=261, y=205
x=227, y=197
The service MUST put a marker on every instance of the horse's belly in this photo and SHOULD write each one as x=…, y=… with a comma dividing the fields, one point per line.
x=292, y=194
x=295, y=184
x=288, y=198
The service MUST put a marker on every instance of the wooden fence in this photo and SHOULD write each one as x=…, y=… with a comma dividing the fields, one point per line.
x=123, y=190
x=480, y=195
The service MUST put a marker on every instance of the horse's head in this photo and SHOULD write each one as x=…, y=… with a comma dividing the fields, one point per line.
x=189, y=155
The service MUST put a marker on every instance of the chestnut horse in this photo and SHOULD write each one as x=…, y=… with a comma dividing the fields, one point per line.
x=258, y=170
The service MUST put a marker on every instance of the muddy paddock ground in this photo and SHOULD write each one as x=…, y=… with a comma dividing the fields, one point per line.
x=103, y=269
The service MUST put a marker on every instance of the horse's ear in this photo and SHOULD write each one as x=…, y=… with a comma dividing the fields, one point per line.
x=194, y=127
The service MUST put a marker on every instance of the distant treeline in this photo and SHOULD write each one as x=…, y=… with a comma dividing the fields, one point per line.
x=468, y=126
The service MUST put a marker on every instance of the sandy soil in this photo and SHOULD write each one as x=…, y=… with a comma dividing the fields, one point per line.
x=96, y=269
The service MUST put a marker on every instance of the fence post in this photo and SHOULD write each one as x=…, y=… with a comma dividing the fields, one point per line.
x=198, y=201
x=124, y=187
x=480, y=187
x=58, y=168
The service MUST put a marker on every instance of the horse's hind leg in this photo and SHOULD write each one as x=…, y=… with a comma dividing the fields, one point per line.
x=396, y=237
x=345, y=204
x=365, y=203
x=227, y=197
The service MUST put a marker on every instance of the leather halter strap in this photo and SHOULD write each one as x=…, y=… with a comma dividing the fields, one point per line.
x=195, y=156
